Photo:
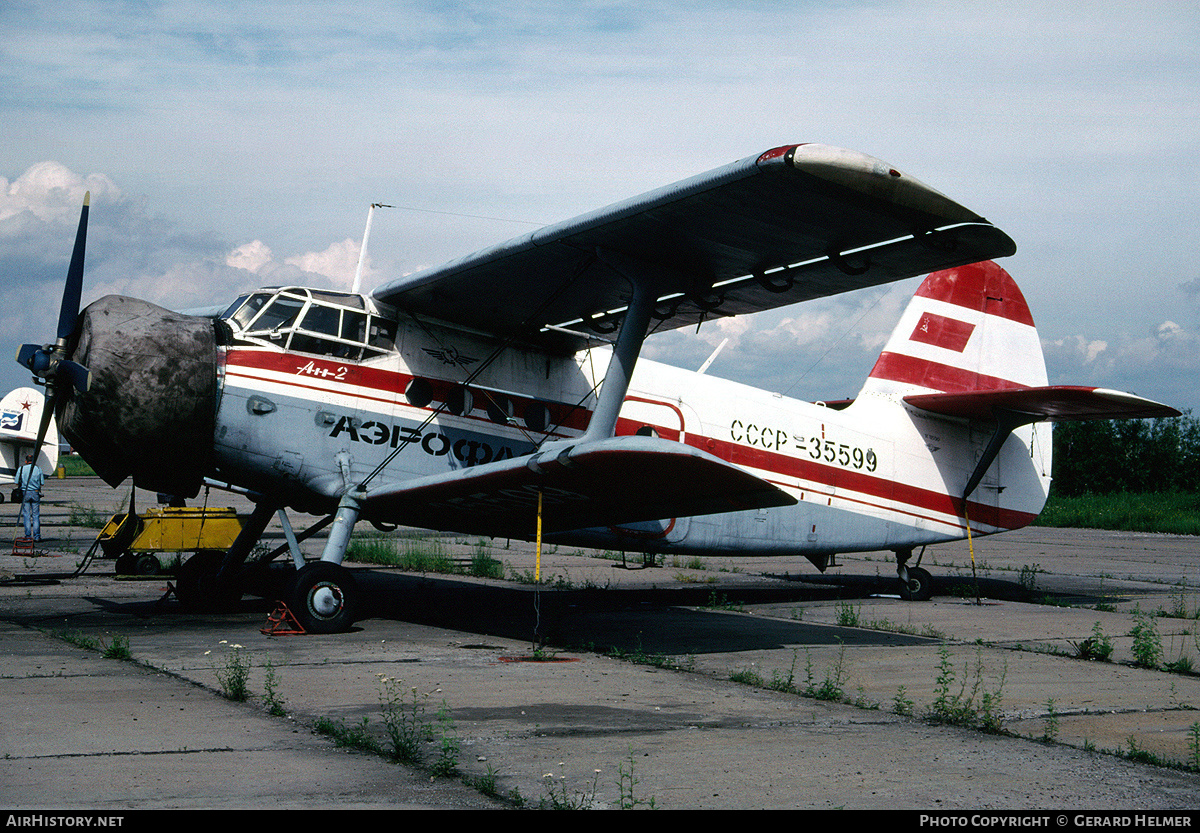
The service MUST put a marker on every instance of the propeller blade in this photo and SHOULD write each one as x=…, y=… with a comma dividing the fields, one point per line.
x=27, y=354
x=44, y=425
x=69, y=311
x=78, y=375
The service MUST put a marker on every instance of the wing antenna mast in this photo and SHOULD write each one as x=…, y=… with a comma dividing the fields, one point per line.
x=362, y=253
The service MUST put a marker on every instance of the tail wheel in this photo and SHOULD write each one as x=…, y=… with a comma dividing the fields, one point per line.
x=918, y=587
x=324, y=597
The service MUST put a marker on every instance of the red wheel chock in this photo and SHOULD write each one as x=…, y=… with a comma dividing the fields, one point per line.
x=282, y=622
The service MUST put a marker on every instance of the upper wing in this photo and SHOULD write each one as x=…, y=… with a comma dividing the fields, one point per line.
x=794, y=223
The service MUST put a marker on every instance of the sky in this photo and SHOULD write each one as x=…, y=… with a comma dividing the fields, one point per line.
x=229, y=145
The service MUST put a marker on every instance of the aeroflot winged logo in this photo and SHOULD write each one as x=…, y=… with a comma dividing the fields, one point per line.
x=450, y=355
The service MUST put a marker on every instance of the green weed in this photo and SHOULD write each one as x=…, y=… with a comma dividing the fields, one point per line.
x=1147, y=644
x=117, y=648
x=234, y=675
x=626, y=787
x=848, y=615
x=1096, y=647
x=958, y=707
x=271, y=685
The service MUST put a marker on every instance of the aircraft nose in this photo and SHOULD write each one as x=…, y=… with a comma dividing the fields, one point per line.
x=150, y=410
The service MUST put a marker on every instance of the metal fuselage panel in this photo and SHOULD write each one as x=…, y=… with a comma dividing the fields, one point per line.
x=876, y=475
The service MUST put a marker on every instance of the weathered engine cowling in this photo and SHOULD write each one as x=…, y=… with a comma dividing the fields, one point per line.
x=150, y=410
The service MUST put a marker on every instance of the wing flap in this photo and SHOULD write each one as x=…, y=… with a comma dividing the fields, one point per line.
x=613, y=481
x=794, y=223
x=1055, y=403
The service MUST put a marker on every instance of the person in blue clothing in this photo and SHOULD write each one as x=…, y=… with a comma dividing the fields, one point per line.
x=30, y=479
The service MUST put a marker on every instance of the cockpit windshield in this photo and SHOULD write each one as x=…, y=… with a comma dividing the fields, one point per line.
x=312, y=321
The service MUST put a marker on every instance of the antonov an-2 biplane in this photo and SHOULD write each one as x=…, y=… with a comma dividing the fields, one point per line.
x=503, y=391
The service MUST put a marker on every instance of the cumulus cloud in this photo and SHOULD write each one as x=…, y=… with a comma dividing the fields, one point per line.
x=1160, y=363
x=51, y=192
x=249, y=256
x=338, y=263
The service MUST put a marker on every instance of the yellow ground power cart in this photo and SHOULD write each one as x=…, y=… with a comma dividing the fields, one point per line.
x=145, y=543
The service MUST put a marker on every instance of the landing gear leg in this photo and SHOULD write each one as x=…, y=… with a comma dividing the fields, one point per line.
x=324, y=597
x=915, y=583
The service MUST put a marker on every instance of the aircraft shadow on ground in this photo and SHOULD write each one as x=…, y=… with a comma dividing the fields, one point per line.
x=632, y=621
x=670, y=621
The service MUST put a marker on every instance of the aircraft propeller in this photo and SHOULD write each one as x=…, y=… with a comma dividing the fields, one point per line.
x=49, y=363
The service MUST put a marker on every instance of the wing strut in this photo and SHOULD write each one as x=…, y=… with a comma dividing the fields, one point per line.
x=628, y=347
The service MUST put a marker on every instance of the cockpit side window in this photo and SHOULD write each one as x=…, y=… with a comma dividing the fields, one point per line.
x=382, y=334
x=321, y=319
x=279, y=314
x=246, y=311
x=311, y=321
x=354, y=326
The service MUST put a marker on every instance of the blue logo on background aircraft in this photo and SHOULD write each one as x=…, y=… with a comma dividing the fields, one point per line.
x=11, y=420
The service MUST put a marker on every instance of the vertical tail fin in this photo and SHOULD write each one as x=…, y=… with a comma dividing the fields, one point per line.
x=966, y=329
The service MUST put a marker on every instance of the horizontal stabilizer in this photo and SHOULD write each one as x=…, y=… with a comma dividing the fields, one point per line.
x=1056, y=403
x=602, y=483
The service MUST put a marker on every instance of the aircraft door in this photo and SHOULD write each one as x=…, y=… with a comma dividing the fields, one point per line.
x=646, y=416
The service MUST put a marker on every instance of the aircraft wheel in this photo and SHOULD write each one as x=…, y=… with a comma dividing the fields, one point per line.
x=323, y=597
x=919, y=587
x=147, y=565
x=196, y=584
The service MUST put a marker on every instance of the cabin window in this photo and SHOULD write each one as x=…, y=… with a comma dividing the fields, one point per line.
x=537, y=416
x=460, y=402
x=499, y=408
x=418, y=392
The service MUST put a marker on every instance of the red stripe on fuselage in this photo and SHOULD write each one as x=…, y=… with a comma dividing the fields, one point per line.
x=781, y=465
x=325, y=373
x=859, y=482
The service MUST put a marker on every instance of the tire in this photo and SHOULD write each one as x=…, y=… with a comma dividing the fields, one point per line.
x=147, y=565
x=126, y=563
x=324, y=597
x=919, y=587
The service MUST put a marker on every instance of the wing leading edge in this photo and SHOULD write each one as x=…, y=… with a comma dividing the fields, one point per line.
x=794, y=223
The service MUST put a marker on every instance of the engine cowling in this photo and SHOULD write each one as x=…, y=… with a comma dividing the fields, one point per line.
x=150, y=411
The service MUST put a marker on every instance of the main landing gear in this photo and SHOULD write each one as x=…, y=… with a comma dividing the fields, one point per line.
x=915, y=582
x=322, y=595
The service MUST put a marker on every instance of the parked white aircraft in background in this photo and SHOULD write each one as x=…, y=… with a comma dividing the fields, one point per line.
x=20, y=416
x=485, y=396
